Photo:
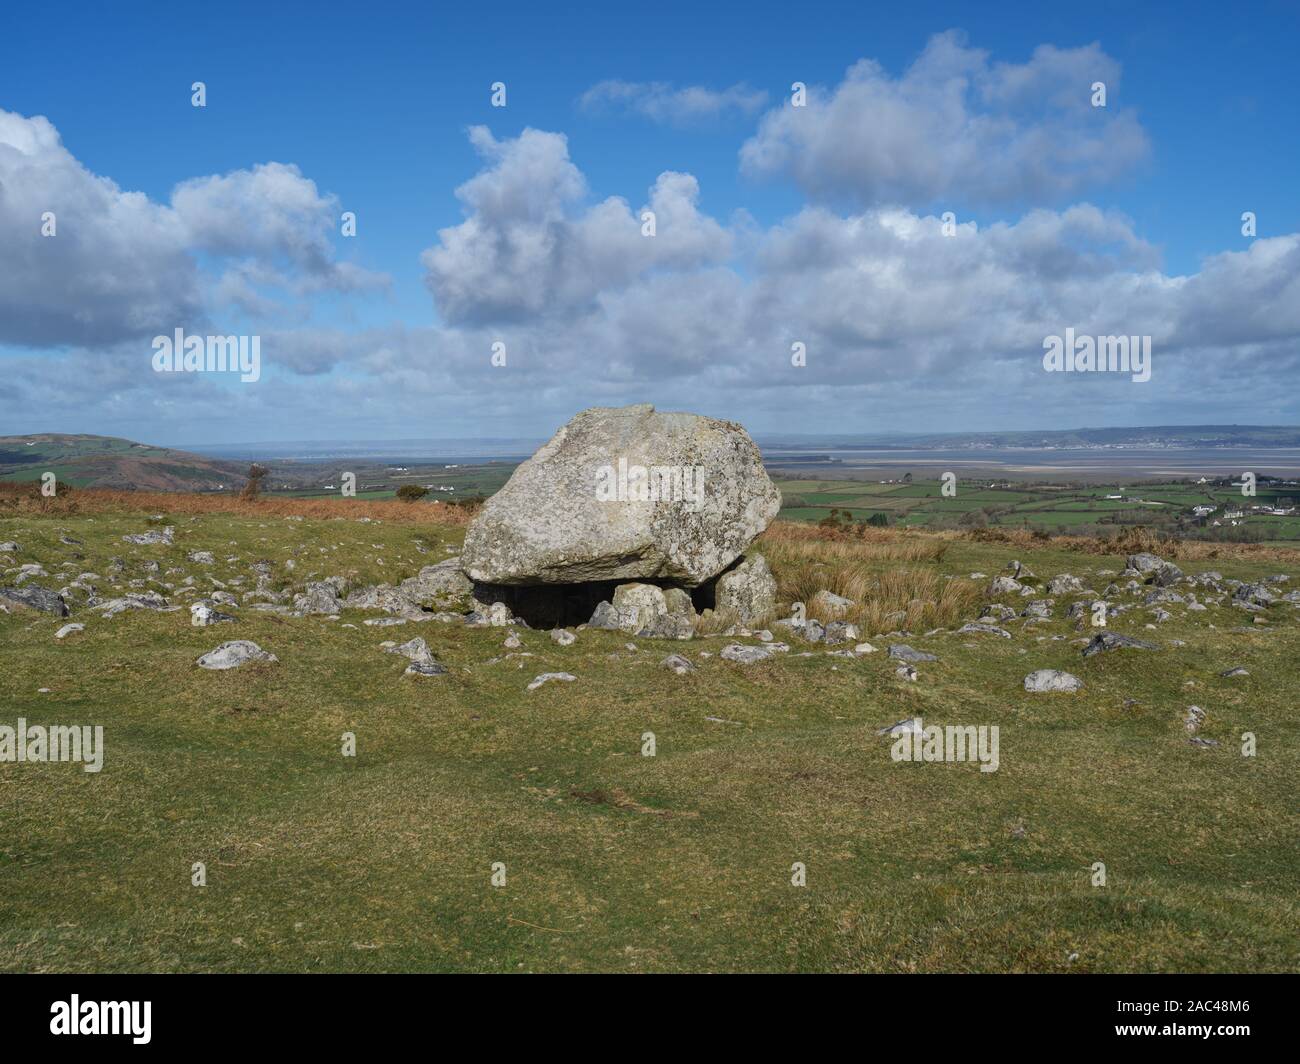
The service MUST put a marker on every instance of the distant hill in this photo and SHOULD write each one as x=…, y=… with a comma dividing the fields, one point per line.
x=108, y=462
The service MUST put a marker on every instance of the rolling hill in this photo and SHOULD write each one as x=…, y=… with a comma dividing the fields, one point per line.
x=110, y=462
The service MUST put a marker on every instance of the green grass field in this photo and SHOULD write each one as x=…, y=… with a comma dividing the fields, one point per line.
x=615, y=861
x=1035, y=506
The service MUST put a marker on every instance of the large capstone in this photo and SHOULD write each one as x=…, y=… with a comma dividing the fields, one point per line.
x=625, y=494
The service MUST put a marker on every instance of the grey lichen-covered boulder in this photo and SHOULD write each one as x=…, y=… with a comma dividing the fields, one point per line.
x=133, y=600
x=202, y=615
x=547, y=677
x=494, y=614
x=1168, y=575
x=749, y=655
x=436, y=588
x=903, y=652
x=422, y=661
x=650, y=611
x=1052, y=680
x=1104, y=641
x=625, y=493
x=35, y=598
x=442, y=586
x=830, y=604
x=1255, y=594
x=747, y=591
x=233, y=654
x=153, y=537
x=979, y=628
x=1064, y=584
x=837, y=632
x=680, y=665
x=321, y=596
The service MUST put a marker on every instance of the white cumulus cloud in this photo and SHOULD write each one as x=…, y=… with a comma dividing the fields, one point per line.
x=954, y=125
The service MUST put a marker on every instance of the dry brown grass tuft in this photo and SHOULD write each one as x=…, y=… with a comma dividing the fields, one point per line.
x=867, y=544
x=1133, y=539
x=96, y=501
x=883, y=571
x=715, y=622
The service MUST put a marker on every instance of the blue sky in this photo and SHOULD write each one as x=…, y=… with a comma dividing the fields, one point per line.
x=1125, y=219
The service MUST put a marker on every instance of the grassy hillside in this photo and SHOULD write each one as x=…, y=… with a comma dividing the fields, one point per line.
x=112, y=463
x=616, y=861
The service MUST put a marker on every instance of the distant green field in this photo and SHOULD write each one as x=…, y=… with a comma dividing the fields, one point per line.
x=63, y=474
x=1038, y=506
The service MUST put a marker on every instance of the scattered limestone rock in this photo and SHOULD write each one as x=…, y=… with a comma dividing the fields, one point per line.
x=492, y=615
x=1145, y=562
x=839, y=632
x=1167, y=575
x=830, y=604
x=68, y=629
x=749, y=655
x=132, y=600
x=902, y=652
x=35, y=598
x=202, y=615
x=563, y=637
x=805, y=627
x=233, y=654
x=1253, y=595
x=30, y=571
x=438, y=587
x=1114, y=641
x=321, y=596
x=678, y=664
x=424, y=668
x=1052, y=680
x=152, y=537
x=422, y=661
x=1193, y=718
x=546, y=677
x=984, y=629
